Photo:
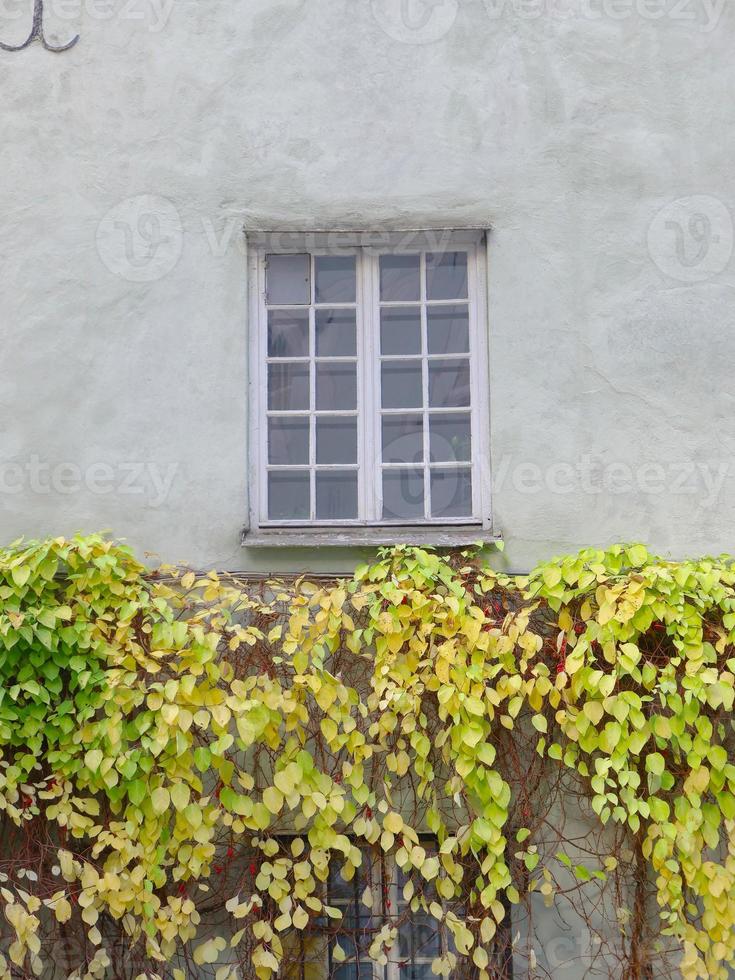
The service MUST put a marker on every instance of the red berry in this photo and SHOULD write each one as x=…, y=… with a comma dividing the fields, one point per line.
x=253, y=869
x=230, y=852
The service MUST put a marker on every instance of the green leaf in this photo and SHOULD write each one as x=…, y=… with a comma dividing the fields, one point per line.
x=655, y=763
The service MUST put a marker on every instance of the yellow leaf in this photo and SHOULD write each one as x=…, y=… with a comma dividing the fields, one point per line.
x=393, y=822
x=300, y=917
x=92, y=759
x=273, y=799
x=594, y=711
x=160, y=800
x=180, y=796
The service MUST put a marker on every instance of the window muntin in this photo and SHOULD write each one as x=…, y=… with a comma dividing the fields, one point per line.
x=373, y=400
x=420, y=936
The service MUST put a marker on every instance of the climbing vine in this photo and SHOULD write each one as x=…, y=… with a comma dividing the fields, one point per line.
x=186, y=757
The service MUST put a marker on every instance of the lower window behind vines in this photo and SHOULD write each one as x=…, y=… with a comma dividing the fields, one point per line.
x=375, y=897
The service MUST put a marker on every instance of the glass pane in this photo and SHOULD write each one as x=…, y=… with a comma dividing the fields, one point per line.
x=288, y=280
x=288, y=495
x=448, y=328
x=449, y=383
x=336, y=386
x=421, y=971
x=446, y=275
x=336, y=334
x=288, y=387
x=401, y=384
x=419, y=937
x=336, y=495
x=400, y=278
x=288, y=333
x=335, y=278
x=288, y=440
x=403, y=439
x=336, y=440
x=450, y=438
x=352, y=971
x=340, y=890
x=451, y=493
x=400, y=330
x=403, y=494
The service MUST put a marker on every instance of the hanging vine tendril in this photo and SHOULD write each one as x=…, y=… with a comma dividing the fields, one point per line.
x=185, y=758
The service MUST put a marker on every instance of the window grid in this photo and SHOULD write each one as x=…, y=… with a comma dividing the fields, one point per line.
x=313, y=360
x=427, y=411
x=415, y=947
x=369, y=464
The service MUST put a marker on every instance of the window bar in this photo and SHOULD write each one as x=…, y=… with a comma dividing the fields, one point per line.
x=425, y=387
x=312, y=390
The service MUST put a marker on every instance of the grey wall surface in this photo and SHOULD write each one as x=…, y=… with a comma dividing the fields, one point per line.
x=595, y=138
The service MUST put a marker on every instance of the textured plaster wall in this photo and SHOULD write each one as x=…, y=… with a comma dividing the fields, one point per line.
x=595, y=137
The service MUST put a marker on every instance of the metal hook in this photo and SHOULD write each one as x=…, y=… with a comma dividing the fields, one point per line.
x=37, y=34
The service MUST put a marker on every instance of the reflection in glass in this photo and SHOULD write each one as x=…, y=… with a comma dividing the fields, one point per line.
x=446, y=275
x=288, y=280
x=401, y=384
x=400, y=278
x=336, y=439
x=403, y=439
x=336, y=333
x=288, y=440
x=449, y=383
x=450, y=438
x=403, y=494
x=288, y=495
x=448, y=329
x=288, y=387
x=336, y=386
x=288, y=333
x=400, y=330
x=335, y=278
x=451, y=493
x=336, y=495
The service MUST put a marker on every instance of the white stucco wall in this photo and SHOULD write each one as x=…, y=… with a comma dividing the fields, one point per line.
x=566, y=126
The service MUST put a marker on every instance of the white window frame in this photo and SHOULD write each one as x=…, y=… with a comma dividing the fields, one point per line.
x=370, y=528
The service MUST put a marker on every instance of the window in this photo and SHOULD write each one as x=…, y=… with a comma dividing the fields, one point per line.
x=310, y=955
x=370, y=383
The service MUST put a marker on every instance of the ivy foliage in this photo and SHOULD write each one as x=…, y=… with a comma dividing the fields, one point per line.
x=154, y=727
